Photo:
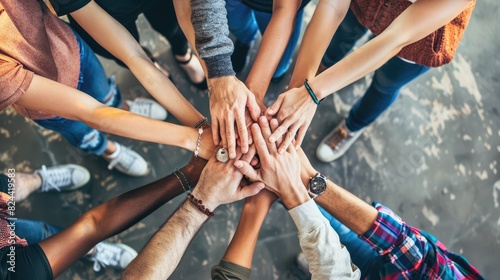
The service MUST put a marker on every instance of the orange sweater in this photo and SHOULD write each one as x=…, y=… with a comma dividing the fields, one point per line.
x=436, y=49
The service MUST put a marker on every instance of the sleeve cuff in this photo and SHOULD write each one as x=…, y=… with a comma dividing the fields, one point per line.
x=65, y=7
x=306, y=215
x=219, y=66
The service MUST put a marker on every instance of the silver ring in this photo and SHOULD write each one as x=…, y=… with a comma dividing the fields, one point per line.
x=222, y=155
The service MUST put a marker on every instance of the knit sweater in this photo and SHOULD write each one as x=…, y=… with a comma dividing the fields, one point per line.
x=436, y=49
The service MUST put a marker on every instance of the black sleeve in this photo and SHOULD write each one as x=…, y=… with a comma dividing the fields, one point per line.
x=29, y=262
x=226, y=270
x=4, y=183
x=64, y=7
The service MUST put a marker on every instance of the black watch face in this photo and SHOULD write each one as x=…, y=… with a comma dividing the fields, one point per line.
x=317, y=185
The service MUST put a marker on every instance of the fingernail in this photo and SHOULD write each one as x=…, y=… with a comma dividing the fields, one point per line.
x=232, y=155
x=282, y=151
x=271, y=139
x=238, y=164
x=270, y=112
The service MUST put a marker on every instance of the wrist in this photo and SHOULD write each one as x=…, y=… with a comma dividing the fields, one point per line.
x=295, y=196
x=206, y=199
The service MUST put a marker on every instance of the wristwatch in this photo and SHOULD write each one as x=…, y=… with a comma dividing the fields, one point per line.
x=317, y=185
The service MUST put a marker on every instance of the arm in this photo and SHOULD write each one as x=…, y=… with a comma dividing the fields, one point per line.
x=162, y=253
x=272, y=46
x=400, y=33
x=116, y=39
x=112, y=217
x=58, y=99
x=230, y=99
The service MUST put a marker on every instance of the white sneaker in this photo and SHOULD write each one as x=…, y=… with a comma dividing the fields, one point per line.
x=127, y=161
x=63, y=177
x=147, y=108
x=112, y=254
x=337, y=142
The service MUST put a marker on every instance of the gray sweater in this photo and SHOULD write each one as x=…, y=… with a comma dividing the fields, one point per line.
x=212, y=36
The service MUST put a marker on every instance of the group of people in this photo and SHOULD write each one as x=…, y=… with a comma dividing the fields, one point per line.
x=50, y=74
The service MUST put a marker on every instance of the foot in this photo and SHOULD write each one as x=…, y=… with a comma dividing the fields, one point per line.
x=127, y=161
x=112, y=254
x=63, y=177
x=336, y=144
x=239, y=58
x=147, y=108
x=190, y=64
x=303, y=264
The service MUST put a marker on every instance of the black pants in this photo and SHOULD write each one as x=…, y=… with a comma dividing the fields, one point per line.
x=159, y=13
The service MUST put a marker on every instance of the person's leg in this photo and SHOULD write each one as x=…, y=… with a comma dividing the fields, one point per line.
x=34, y=231
x=362, y=254
x=349, y=31
x=385, y=87
x=242, y=24
x=286, y=59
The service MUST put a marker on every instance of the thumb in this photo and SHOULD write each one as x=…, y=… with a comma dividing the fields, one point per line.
x=246, y=169
x=251, y=190
x=276, y=105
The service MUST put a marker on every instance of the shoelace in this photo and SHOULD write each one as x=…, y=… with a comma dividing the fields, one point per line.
x=106, y=255
x=338, y=138
x=141, y=107
x=54, y=178
x=124, y=159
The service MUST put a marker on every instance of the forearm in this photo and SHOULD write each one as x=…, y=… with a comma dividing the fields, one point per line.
x=212, y=36
x=110, y=218
x=325, y=21
x=240, y=250
x=327, y=257
x=400, y=33
x=163, y=252
x=272, y=46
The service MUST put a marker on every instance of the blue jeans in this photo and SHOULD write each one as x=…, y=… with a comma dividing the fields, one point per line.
x=244, y=23
x=362, y=254
x=92, y=81
x=387, y=80
x=34, y=231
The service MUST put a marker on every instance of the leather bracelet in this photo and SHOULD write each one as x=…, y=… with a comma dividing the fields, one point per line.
x=199, y=204
x=311, y=93
x=201, y=122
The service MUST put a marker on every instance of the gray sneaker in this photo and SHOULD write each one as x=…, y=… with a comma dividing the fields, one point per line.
x=147, y=108
x=63, y=177
x=127, y=161
x=337, y=142
x=107, y=254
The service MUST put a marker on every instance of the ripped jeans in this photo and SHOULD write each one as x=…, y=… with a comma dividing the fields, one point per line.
x=92, y=81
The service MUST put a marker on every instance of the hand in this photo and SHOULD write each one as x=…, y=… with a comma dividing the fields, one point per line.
x=229, y=99
x=219, y=183
x=280, y=173
x=207, y=147
x=307, y=170
x=295, y=110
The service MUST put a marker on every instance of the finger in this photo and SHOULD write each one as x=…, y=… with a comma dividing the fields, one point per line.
x=300, y=136
x=274, y=125
x=231, y=142
x=253, y=107
x=280, y=131
x=246, y=169
x=260, y=143
x=215, y=131
x=266, y=133
x=242, y=130
x=251, y=190
x=273, y=109
x=249, y=155
x=222, y=128
x=289, y=137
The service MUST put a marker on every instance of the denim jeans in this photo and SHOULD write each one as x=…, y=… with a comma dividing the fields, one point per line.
x=92, y=81
x=387, y=80
x=362, y=254
x=244, y=23
x=34, y=231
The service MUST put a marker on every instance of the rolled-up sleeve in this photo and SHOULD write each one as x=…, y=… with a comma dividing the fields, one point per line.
x=14, y=81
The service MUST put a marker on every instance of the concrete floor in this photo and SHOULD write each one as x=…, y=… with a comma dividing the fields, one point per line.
x=432, y=157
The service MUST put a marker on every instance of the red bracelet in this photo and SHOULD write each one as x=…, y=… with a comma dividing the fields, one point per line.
x=199, y=204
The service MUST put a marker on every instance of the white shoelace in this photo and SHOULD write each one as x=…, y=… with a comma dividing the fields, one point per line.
x=124, y=158
x=54, y=178
x=141, y=107
x=106, y=255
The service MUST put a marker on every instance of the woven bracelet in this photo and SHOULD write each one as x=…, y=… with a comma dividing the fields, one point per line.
x=197, y=150
x=199, y=204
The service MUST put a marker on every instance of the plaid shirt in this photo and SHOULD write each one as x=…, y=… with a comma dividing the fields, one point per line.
x=411, y=253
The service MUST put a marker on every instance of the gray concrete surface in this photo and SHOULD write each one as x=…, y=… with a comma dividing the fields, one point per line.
x=432, y=157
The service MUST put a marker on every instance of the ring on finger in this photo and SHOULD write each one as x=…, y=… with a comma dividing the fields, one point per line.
x=222, y=155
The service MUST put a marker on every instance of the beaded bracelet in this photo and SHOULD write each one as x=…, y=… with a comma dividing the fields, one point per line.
x=201, y=122
x=180, y=181
x=185, y=180
x=199, y=204
x=311, y=93
x=197, y=150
